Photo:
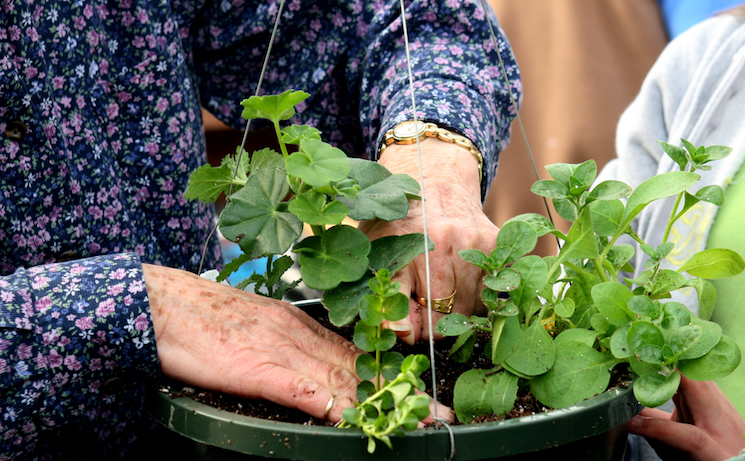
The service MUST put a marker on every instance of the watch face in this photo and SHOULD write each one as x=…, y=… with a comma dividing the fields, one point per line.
x=409, y=129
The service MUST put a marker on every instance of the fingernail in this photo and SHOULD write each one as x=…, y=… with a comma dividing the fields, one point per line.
x=401, y=325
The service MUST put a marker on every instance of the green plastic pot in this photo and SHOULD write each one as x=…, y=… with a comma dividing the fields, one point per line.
x=592, y=430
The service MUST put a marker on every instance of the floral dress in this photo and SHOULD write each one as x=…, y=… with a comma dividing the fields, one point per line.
x=100, y=127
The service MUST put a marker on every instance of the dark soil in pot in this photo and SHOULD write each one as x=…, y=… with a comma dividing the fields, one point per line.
x=448, y=371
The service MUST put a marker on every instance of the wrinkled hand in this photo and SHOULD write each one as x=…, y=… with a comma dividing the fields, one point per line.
x=217, y=337
x=703, y=427
x=455, y=221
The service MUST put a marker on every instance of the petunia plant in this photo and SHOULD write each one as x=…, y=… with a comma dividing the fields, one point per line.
x=272, y=197
x=560, y=324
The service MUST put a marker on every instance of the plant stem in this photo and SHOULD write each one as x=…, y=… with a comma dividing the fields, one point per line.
x=282, y=145
x=673, y=218
x=318, y=230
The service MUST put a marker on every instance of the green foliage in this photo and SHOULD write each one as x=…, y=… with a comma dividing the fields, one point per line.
x=272, y=195
x=570, y=319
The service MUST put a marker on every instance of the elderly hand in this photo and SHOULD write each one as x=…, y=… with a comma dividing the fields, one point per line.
x=703, y=427
x=217, y=337
x=455, y=221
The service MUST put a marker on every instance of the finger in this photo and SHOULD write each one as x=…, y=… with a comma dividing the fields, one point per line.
x=676, y=436
x=293, y=390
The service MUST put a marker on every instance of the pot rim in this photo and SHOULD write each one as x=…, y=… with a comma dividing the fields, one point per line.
x=246, y=434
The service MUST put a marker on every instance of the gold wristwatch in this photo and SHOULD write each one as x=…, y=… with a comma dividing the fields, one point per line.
x=408, y=132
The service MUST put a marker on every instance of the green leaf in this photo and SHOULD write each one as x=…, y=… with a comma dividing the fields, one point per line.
x=677, y=153
x=609, y=190
x=207, y=183
x=504, y=388
x=644, y=334
x=654, y=389
x=549, y=189
x=714, y=263
x=453, y=325
x=371, y=310
x=506, y=279
x=472, y=394
x=311, y=207
x=273, y=107
x=655, y=188
x=674, y=315
x=540, y=224
x=535, y=351
x=293, y=134
x=581, y=335
x=707, y=296
x=339, y=255
x=519, y=237
x=365, y=337
x=533, y=276
x=579, y=372
x=462, y=349
x=642, y=305
x=382, y=195
x=711, y=334
x=607, y=217
x=395, y=307
x=564, y=308
x=391, y=365
x=391, y=253
x=366, y=367
x=666, y=281
x=719, y=362
x=255, y=211
x=505, y=337
x=711, y=194
x=265, y=159
x=580, y=242
x=610, y=299
x=619, y=347
x=683, y=339
x=318, y=163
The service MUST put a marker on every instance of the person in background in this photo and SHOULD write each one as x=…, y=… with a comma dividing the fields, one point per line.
x=694, y=92
x=100, y=127
x=582, y=62
x=681, y=15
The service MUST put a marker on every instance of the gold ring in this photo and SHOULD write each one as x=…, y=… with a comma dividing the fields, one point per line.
x=328, y=406
x=442, y=305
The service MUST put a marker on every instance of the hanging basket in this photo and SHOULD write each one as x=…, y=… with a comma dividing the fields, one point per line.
x=592, y=430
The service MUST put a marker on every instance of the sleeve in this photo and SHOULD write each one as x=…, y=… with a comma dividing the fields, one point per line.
x=76, y=348
x=350, y=56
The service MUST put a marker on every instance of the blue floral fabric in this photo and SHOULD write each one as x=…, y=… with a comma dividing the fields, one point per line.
x=100, y=127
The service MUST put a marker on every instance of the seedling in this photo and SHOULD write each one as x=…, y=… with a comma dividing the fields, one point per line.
x=272, y=195
x=570, y=319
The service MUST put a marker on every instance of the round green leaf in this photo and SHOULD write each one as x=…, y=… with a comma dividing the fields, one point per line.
x=644, y=334
x=339, y=255
x=395, y=307
x=318, y=163
x=371, y=310
x=715, y=364
x=366, y=367
x=654, y=389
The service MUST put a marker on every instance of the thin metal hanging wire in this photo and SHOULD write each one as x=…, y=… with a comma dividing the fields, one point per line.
x=432, y=358
x=241, y=151
x=513, y=101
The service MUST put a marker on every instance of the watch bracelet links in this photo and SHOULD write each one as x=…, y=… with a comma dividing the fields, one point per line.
x=443, y=134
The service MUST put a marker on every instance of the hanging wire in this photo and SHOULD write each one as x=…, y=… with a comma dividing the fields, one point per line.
x=241, y=151
x=513, y=101
x=424, y=209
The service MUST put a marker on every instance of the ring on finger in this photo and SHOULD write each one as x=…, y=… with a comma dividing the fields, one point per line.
x=329, y=406
x=441, y=305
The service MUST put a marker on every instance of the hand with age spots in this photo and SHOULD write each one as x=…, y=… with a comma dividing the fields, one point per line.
x=703, y=427
x=455, y=221
x=217, y=337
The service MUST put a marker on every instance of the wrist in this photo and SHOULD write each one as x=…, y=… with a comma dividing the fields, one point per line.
x=409, y=132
